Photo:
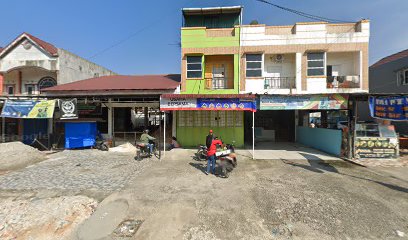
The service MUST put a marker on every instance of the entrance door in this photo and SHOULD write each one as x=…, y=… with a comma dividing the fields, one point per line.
x=218, y=81
x=273, y=76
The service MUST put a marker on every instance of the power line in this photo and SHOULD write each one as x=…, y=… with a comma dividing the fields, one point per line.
x=303, y=14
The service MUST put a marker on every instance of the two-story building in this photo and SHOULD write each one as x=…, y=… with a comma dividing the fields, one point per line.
x=28, y=65
x=295, y=73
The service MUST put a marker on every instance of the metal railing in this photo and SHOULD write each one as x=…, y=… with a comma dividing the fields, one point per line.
x=216, y=83
x=280, y=83
x=343, y=81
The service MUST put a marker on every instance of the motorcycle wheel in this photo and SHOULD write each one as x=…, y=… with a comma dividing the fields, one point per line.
x=103, y=147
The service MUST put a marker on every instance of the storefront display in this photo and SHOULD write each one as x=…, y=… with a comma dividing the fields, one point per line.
x=376, y=141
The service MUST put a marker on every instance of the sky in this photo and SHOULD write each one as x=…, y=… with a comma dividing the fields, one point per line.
x=142, y=37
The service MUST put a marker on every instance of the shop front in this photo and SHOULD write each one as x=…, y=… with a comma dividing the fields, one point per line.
x=195, y=115
x=311, y=120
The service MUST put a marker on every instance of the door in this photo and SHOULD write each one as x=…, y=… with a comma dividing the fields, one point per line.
x=273, y=76
x=218, y=81
x=34, y=129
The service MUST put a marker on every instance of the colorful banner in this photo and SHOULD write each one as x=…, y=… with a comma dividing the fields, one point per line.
x=376, y=147
x=68, y=108
x=207, y=104
x=318, y=102
x=28, y=109
x=389, y=108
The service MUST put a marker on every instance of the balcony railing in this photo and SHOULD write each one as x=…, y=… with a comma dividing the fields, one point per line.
x=280, y=83
x=343, y=81
x=216, y=83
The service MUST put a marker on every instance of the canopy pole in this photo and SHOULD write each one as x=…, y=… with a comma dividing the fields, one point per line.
x=3, y=129
x=253, y=135
x=164, y=137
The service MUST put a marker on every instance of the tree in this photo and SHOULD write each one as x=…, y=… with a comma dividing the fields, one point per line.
x=254, y=22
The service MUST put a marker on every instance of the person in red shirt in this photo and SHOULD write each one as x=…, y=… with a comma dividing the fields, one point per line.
x=211, y=155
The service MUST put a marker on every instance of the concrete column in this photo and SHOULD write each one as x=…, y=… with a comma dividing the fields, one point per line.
x=3, y=129
x=298, y=72
x=361, y=72
x=19, y=89
x=174, y=124
x=146, y=117
x=1, y=84
x=110, y=124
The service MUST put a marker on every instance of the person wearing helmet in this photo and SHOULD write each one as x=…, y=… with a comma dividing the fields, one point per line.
x=145, y=138
x=211, y=155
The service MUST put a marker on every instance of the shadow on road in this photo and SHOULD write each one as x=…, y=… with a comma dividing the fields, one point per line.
x=319, y=166
x=199, y=166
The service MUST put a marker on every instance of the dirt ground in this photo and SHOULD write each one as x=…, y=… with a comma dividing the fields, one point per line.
x=174, y=199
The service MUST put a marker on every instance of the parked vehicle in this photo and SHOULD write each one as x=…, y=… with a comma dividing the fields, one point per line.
x=143, y=151
x=228, y=159
x=101, y=144
x=201, y=153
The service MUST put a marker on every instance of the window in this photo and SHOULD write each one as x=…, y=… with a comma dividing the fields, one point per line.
x=30, y=88
x=315, y=64
x=194, y=67
x=254, y=65
x=46, y=82
x=10, y=89
x=402, y=77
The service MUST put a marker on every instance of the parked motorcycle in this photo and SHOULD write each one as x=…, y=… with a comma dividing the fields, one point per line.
x=201, y=153
x=100, y=144
x=143, y=151
x=228, y=159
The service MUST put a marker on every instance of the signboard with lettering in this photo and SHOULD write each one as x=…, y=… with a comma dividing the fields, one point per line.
x=171, y=104
x=376, y=147
x=321, y=101
x=389, y=108
x=28, y=109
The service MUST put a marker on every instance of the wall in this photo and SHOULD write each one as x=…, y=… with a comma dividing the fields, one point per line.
x=21, y=57
x=326, y=140
x=193, y=135
x=197, y=86
x=74, y=68
x=30, y=75
x=348, y=62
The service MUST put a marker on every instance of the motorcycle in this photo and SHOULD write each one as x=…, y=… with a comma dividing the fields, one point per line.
x=100, y=144
x=201, y=153
x=228, y=159
x=143, y=151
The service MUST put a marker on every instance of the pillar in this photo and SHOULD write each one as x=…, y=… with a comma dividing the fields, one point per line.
x=110, y=123
x=3, y=129
x=298, y=72
x=146, y=117
x=1, y=83
x=19, y=89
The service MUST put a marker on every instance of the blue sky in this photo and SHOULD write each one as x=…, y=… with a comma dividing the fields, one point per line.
x=88, y=28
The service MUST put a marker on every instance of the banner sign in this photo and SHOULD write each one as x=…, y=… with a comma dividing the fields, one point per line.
x=389, y=108
x=318, y=102
x=68, y=108
x=28, y=109
x=376, y=147
x=207, y=104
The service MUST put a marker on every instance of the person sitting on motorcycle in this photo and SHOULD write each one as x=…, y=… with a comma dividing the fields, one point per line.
x=145, y=138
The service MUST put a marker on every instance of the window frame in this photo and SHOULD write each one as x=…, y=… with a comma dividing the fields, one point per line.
x=13, y=86
x=405, y=79
x=324, y=67
x=201, y=67
x=254, y=69
x=30, y=85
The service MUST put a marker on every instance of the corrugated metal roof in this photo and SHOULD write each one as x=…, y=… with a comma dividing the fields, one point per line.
x=241, y=96
x=391, y=58
x=212, y=10
x=121, y=82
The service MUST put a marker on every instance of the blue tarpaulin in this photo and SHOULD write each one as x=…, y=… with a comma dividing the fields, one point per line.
x=79, y=135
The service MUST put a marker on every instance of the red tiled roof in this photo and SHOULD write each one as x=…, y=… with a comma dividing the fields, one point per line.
x=121, y=82
x=391, y=58
x=241, y=96
x=1, y=49
x=46, y=46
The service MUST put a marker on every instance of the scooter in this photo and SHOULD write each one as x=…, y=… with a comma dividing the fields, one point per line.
x=100, y=144
x=228, y=159
x=201, y=153
x=143, y=151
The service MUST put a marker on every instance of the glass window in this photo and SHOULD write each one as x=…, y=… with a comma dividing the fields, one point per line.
x=30, y=88
x=405, y=82
x=10, y=89
x=194, y=67
x=315, y=64
x=46, y=82
x=254, y=65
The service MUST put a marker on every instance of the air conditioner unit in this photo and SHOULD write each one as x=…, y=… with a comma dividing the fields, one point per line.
x=279, y=58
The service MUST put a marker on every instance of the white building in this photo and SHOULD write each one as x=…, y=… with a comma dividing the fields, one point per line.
x=29, y=64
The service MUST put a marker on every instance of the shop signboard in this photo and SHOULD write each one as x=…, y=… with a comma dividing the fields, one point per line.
x=376, y=147
x=89, y=109
x=389, y=108
x=28, y=109
x=236, y=104
x=304, y=102
x=68, y=108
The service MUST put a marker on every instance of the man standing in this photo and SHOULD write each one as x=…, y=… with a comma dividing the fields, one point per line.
x=145, y=138
x=209, y=139
x=211, y=155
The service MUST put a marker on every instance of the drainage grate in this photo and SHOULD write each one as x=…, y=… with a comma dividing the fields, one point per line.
x=128, y=228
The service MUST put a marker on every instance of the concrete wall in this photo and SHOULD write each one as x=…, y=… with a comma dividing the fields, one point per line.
x=28, y=57
x=74, y=68
x=28, y=76
x=323, y=139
